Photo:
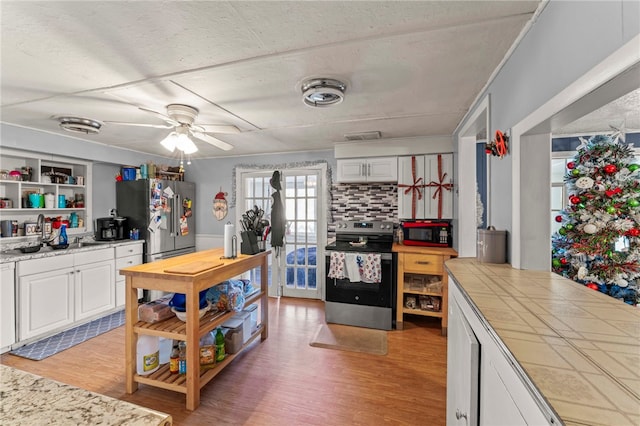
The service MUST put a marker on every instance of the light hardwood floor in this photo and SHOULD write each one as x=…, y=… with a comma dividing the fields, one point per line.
x=283, y=380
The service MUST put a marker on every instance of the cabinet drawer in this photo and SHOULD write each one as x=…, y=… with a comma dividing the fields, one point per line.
x=92, y=256
x=46, y=264
x=124, y=262
x=128, y=250
x=423, y=263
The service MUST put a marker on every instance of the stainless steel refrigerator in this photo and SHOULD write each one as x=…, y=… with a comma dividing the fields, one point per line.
x=164, y=213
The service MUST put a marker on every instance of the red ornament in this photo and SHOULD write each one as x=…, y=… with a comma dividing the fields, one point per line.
x=564, y=260
x=609, y=193
x=558, y=218
x=633, y=232
x=592, y=286
x=610, y=169
x=574, y=199
x=571, y=165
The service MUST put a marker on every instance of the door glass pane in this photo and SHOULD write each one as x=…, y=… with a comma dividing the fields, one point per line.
x=300, y=186
x=290, y=206
x=311, y=209
x=557, y=202
x=312, y=185
x=290, y=186
x=301, y=211
x=558, y=169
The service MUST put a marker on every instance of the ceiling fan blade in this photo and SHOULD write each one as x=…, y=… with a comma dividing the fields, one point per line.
x=211, y=140
x=161, y=115
x=220, y=128
x=124, y=123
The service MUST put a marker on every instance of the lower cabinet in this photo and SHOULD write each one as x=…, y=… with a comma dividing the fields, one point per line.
x=55, y=292
x=483, y=387
x=7, y=306
x=129, y=255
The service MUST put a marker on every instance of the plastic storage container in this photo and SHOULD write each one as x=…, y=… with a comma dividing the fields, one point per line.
x=148, y=353
x=246, y=324
x=128, y=173
x=492, y=246
x=233, y=337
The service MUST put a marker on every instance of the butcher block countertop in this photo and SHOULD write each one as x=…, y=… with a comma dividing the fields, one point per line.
x=579, y=347
x=28, y=399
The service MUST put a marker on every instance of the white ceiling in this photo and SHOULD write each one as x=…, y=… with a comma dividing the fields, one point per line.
x=411, y=68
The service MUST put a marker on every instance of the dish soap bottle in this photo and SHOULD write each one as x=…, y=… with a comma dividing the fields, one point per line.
x=220, y=352
x=63, y=235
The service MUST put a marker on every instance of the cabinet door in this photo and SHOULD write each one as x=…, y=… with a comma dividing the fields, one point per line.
x=352, y=170
x=382, y=169
x=7, y=305
x=463, y=352
x=411, y=200
x=438, y=196
x=95, y=289
x=124, y=262
x=46, y=302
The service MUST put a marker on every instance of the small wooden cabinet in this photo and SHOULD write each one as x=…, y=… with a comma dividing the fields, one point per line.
x=422, y=282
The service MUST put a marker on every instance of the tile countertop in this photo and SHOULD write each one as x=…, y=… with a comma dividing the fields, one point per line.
x=28, y=399
x=15, y=255
x=579, y=347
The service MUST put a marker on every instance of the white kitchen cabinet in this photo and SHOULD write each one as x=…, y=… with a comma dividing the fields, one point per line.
x=55, y=292
x=94, y=286
x=425, y=186
x=126, y=256
x=504, y=396
x=375, y=169
x=7, y=306
x=45, y=295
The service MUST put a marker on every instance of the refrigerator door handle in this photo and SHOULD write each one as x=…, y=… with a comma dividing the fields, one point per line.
x=176, y=217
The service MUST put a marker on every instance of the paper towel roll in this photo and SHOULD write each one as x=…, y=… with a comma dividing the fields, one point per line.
x=229, y=232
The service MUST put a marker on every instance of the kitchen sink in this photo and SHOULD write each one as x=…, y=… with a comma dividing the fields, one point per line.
x=81, y=244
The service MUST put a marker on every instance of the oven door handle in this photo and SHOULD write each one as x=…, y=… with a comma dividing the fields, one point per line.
x=383, y=256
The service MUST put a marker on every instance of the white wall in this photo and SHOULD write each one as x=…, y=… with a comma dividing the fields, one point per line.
x=566, y=41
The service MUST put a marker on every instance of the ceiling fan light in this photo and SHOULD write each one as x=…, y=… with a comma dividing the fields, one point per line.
x=189, y=147
x=170, y=141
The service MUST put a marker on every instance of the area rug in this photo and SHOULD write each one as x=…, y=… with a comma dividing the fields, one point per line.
x=347, y=338
x=52, y=345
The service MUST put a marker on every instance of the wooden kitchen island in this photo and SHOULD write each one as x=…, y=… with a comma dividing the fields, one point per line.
x=201, y=271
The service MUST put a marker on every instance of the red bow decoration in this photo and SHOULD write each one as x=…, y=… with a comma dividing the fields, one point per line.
x=611, y=192
x=414, y=188
x=440, y=186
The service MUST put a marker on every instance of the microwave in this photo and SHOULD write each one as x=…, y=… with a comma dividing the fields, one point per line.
x=430, y=233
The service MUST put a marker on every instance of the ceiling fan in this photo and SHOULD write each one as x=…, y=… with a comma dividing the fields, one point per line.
x=181, y=118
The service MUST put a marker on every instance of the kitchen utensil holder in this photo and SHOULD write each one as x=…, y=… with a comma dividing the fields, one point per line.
x=249, y=244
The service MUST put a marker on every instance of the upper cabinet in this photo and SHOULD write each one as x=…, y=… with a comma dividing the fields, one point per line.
x=425, y=186
x=56, y=187
x=376, y=169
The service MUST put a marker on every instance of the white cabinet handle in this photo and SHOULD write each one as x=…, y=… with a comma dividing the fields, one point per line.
x=460, y=415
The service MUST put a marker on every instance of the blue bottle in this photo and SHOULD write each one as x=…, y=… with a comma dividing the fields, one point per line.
x=63, y=235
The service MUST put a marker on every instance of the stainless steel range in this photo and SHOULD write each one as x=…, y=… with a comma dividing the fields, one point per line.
x=355, y=295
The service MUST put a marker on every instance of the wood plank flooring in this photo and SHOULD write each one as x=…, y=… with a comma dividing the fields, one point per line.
x=283, y=380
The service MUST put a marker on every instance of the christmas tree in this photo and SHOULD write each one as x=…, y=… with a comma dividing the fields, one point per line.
x=598, y=242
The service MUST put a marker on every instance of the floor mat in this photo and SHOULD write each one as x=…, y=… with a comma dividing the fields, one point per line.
x=52, y=345
x=348, y=338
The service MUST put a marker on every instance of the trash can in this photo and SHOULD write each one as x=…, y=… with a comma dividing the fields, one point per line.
x=492, y=246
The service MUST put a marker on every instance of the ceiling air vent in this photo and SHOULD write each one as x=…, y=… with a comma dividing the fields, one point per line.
x=80, y=125
x=363, y=136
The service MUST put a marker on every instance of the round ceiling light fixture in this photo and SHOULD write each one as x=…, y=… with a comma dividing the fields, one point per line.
x=80, y=125
x=322, y=92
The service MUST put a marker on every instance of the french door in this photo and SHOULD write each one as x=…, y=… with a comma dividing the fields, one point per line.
x=298, y=271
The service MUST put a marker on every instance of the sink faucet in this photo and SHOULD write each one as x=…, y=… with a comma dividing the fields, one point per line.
x=41, y=228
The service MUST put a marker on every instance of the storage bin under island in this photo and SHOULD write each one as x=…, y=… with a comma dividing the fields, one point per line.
x=198, y=271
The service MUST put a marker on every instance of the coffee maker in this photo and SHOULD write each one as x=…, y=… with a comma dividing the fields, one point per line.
x=111, y=228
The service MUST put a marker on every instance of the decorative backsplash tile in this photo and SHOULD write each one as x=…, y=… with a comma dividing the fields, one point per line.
x=362, y=201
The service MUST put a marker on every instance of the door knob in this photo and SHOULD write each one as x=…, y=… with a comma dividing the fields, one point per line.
x=460, y=415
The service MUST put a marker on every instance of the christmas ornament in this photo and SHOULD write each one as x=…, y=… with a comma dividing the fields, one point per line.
x=571, y=165
x=575, y=172
x=559, y=219
x=555, y=263
x=220, y=208
x=562, y=231
x=590, y=228
x=581, y=205
x=584, y=182
x=592, y=286
x=564, y=261
x=610, y=169
x=632, y=167
x=574, y=200
x=633, y=232
x=633, y=202
x=611, y=210
x=569, y=226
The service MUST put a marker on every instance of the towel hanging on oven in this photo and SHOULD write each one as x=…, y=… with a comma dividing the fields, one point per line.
x=356, y=267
